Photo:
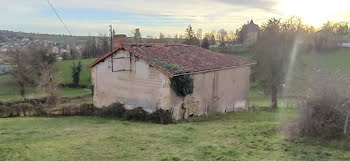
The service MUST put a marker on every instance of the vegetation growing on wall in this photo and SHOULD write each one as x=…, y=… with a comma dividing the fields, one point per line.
x=182, y=85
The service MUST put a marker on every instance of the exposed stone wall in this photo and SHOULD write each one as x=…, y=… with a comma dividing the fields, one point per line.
x=144, y=86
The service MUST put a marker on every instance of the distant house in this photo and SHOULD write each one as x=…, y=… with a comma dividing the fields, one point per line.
x=345, y=45
x=251, y=33
x=133, y=74
x=4, y=68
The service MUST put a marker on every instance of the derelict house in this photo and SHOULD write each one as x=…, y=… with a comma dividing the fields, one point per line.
x=139, y=75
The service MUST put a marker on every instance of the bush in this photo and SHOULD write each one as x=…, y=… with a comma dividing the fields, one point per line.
x=161, y=117
x=115, y=110
x=16, y=110
x=182, y=85
x=136, y=114
x=326, y=110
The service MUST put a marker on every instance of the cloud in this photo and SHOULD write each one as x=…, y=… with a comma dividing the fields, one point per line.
x=268, y=5
x=85, y=17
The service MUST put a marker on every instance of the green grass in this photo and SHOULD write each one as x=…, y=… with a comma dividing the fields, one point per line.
x=236, y=136
x=10, y=91
x=71, y=92
x=338, y=60
x=63, y=92
x=66, y=73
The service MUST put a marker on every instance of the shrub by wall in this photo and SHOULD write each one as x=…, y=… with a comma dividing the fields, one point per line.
x=182, y=85
x=115, y=110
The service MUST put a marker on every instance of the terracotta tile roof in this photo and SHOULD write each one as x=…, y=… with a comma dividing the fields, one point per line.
x=181, y=59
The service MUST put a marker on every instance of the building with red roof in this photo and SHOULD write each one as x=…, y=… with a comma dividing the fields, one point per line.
x=139, y=75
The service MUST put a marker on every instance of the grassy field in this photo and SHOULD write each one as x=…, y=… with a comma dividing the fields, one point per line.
x=10, y=92
x=251, y=135
x=236, y=136
x=66, y=73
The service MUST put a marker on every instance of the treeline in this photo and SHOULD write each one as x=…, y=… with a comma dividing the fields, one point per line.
x=95, y=46
x=327, y=37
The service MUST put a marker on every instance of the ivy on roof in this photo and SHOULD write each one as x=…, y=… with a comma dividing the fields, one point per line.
x=171, y=67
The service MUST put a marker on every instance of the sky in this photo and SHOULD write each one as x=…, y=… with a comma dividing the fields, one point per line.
x=92, y=17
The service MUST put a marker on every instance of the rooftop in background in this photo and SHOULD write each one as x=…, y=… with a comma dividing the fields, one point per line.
x=179, y=59
x=252, y=27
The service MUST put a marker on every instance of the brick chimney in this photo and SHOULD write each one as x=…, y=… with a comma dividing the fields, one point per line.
x=119, y=40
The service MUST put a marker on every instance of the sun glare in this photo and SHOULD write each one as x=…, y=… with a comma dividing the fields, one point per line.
x=316, y=12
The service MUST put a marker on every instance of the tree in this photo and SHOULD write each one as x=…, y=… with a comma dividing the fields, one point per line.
x=95, y=46
x=212, y=39
x=90, y=48
x=341, y=30
x=74, y=54
x=205, y=43
x=161, y=38
x=326, y=38
x=231, y=39
x=29, y=66
x=189, y=33
x=199, y=34
x=66, y=56
x=22, y=72
x=137, y=36
x=222, y=36
x=104, y=45
x=48, y=82
x=272, y=55
x=191, y=38
x=176, y=39
x=76, y=70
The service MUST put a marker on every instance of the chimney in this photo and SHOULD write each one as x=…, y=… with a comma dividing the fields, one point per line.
x=119, y=40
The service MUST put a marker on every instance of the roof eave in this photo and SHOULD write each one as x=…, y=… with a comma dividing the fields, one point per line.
x=217, y=69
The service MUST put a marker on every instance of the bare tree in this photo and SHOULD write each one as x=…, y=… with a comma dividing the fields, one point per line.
x=222, y=36
x=22, y=72
x=212, y=39
x=199, y=34
x=48, y=83
x=27, y=66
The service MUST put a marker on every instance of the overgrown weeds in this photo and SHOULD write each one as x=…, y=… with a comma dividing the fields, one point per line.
x=325, y=112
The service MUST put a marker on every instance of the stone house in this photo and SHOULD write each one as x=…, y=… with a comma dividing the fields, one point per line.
x=251, y=33
x=135, y=75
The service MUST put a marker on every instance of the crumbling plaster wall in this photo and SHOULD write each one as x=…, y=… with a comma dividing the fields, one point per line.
x=215, y=92
x=141, y=86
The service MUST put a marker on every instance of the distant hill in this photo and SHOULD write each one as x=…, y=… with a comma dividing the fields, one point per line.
x=9, y=37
